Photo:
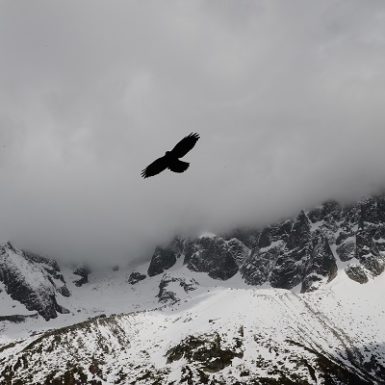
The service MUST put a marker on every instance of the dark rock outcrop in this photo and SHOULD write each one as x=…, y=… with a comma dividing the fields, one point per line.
x=167, y=295
x=136, y=277
x=301, y=252
x=32, y=280
x=83, y=271
x=304, y=251
x=357, y=273
x=162, y=260
x=321, y=267
x=17, y=318
x=206, y=350
x=165, y=257
x=215, y=256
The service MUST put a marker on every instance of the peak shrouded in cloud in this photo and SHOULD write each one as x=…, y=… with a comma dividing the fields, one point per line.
x=288, y=99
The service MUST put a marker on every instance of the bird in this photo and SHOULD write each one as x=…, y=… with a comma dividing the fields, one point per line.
x=170, y=159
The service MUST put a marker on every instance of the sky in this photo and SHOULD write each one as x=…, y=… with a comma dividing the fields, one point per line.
x=288, y=98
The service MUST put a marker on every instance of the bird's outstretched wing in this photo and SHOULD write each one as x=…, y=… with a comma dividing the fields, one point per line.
x=178, y=166
x=185, y=145
x=155, y=167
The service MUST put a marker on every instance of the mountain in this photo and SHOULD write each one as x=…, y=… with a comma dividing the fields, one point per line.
x=297, y=302
x=216, y=335
x=32, y=280
x=304, y=251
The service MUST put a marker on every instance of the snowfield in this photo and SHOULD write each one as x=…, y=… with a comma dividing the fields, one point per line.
x=242, y=333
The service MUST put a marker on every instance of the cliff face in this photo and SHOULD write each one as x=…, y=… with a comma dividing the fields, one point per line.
x=303, y=251
x=33, y=280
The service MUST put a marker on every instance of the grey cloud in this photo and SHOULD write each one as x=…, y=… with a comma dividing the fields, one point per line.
x=287, y=97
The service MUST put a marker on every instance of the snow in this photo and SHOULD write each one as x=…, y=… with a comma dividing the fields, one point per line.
x=29, y=272
x=274, y=315
x=341, y=316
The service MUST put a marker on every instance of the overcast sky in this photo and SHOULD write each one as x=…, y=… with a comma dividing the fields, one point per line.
x=288, y=97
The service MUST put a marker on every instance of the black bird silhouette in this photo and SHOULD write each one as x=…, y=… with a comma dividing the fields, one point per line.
x=171, y=158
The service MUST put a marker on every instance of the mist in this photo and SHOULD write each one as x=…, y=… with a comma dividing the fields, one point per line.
x=288, y=98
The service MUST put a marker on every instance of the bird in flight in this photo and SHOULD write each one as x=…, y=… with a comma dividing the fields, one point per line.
x=170, y=159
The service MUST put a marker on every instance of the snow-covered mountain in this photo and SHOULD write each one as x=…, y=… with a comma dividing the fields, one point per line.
x=298, y=302
x=32, y=280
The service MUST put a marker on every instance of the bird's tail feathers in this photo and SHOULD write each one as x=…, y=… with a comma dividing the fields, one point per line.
x=178, y=166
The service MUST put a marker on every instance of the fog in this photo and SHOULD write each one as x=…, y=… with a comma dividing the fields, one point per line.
x=288, y=98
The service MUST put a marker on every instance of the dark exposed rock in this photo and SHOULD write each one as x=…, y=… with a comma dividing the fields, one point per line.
x=356, y=273
x=162, y=260
x=257, y=268
x=350, y=214
x=372, y=210
x=207, y=351
x=265, y=239
x=167, y=295
x=135, y=277
x=300, y=233
x=83, y=271
x=357, y=230
x=51, y=266
x=346, y=250
x=292, y=252
x=165, y=257
x=288, y=270
x=248, y=237
x=321, y=267
x=368, y=251
x=342, y=236
x=275, y=233
x=330, y=211
x=375, y=265
x=32, y=280
x=290, y=265
x=63, y=290
x=238, y=250
x=17, y=318
x=215, y=256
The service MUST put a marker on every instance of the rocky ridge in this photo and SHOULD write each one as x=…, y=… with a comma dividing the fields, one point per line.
x=33, y=280
x=305, y=251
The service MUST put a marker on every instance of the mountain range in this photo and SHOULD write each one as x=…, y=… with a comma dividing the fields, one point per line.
x=295, y=302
